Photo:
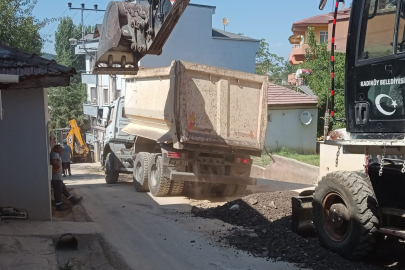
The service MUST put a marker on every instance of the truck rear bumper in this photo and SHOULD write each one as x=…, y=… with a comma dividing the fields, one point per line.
x=208, y=178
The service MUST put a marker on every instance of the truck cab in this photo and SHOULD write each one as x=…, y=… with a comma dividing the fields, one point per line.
x=116, y=154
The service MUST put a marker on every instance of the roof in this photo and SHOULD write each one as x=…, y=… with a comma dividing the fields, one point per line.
x=323, y=18
x=280, y=96
x=216, y=33
x=204, y=6
x=30, y=66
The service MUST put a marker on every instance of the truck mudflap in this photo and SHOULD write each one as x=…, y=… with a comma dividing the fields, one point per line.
x=208, y=178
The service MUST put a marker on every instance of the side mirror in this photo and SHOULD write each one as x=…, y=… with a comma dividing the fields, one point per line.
x=322, y=4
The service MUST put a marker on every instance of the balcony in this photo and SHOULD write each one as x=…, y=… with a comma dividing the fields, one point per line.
x=297, y=55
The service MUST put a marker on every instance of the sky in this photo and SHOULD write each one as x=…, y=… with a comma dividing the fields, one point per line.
x=268, y=19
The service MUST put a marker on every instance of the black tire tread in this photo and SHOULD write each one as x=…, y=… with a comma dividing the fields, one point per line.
x=142, y=184
x=112, y=177
x=163, y=182
x=360, y=191
x=176, y=188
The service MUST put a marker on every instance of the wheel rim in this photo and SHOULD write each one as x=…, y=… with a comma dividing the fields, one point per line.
x=138, y=171
x=335, y=217
x=153, y=175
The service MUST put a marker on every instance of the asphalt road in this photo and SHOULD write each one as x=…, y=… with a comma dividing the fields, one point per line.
x=157, y=233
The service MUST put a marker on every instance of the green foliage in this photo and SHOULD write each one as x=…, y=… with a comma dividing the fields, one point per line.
x=276, y=67
x=318, y=59
x=19, y=28
x=66, y=103
x=265, y=159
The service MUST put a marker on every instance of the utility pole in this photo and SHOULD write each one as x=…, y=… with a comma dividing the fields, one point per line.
x=82, y=9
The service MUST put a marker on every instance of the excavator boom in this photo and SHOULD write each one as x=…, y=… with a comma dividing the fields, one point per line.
x=131, y=30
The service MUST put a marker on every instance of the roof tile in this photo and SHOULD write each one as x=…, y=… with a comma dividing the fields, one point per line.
x=282, y=96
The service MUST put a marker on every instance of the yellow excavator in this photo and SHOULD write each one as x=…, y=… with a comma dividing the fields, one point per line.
x=79, y=148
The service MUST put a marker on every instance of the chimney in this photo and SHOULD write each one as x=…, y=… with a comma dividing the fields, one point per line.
x=343, y=5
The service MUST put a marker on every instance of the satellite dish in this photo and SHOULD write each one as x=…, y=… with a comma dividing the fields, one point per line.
x=306, y=118
x=225, y=21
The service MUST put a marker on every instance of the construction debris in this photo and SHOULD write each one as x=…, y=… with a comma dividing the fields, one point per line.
x=264, y=230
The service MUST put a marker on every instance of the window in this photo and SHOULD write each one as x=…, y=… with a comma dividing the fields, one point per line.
x=377, y=29
x=110, y=118
x=323, y=37
x=118, y=93
x=93, y=94
x=105, y=96
x=401, y=30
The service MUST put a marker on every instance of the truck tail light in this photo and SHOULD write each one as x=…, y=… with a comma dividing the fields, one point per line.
x=176, y=155
x=246, y=161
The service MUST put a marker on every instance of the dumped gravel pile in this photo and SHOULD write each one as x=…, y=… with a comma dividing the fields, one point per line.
x=266, y=232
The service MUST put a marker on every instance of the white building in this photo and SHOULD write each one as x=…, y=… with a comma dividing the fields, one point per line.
x=292, y=120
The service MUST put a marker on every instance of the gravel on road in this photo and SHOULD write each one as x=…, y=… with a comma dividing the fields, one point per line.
x=263, y=229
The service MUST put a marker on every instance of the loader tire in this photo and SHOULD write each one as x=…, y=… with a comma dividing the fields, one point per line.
x=141, y=170
x=159, y=185
x=343, y=214
x=176, y=188
x=111, y=175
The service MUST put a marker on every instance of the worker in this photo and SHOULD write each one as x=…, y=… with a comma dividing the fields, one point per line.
x=59, y=187
x=66, y=154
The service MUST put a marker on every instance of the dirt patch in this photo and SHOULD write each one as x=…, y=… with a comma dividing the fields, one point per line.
x=92, y=253
x=264, y=230
x=74, y=213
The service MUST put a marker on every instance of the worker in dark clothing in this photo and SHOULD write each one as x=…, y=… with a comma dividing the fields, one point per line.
x=66, y=154
x=59, y=187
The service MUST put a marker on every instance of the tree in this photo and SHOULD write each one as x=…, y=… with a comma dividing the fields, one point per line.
x=318, y=60
x=276, y=67
x=19, y=28
x=66, y=103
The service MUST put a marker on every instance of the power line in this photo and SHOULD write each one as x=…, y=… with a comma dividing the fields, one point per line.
x=97, y=19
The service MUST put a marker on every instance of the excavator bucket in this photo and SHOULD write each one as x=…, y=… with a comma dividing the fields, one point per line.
x=131, y=30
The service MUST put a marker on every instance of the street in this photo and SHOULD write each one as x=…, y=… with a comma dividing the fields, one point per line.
x=156, y=233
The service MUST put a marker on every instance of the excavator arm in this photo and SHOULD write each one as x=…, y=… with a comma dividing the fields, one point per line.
x=131, y=30
x=75, y=131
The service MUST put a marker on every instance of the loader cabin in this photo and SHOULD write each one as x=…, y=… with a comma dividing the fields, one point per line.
x=375, y=68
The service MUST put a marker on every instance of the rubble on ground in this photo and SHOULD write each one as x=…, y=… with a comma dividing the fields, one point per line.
x=264, y=229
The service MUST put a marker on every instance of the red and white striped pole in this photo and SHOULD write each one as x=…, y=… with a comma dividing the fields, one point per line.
x=332, y=60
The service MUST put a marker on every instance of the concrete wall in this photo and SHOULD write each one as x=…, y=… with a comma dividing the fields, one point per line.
x=287, y=170
x=347, y=162
x=192, y=41
x=285, y=129
x=24, y=155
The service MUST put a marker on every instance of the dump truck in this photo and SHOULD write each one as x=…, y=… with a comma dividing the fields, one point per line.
x=353, y=209
x=188, y=123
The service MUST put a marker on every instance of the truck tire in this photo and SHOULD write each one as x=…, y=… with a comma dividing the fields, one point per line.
x=111, y=175
x=159, y=185
x=226, y=190
x=176, y=188
x=141, y=169
x=352, y=228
